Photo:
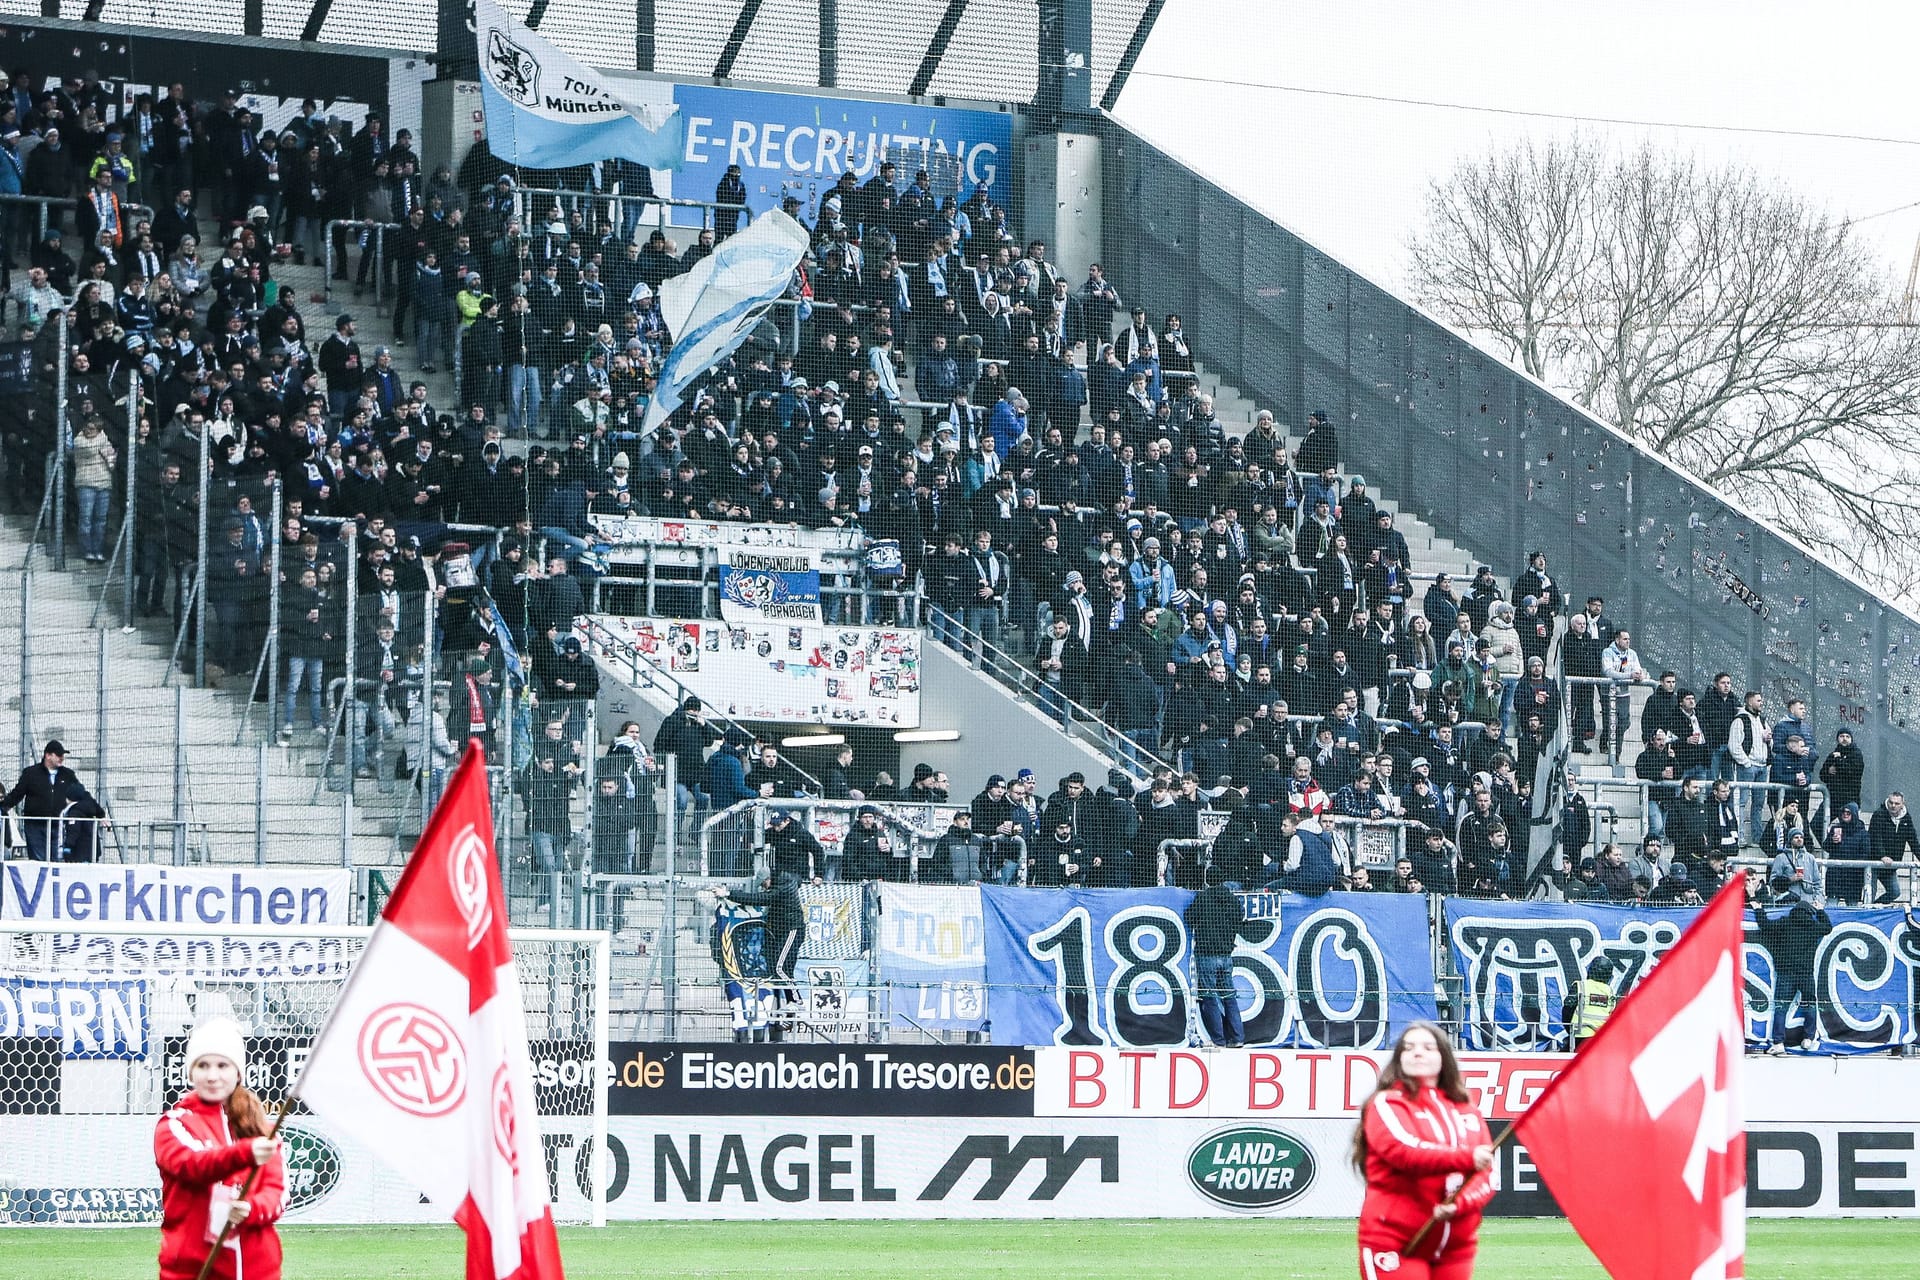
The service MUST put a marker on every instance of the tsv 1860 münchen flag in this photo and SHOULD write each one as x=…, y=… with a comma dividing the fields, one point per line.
x=424, y=1059
x=547, y=109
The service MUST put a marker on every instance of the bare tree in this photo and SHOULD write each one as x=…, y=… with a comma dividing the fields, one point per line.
x=1733, y=327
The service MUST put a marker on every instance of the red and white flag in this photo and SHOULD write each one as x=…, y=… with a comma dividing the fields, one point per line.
x=424, y=1060
x=1660, y=1080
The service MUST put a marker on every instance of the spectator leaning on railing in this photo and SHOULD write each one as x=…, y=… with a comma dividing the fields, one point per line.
x=55, y=812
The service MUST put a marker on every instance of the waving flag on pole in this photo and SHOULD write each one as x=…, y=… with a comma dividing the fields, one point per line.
x=710, y=310
x=1549, y=805
x=1661, y=1079
x=547, y=109
x=424, y=1060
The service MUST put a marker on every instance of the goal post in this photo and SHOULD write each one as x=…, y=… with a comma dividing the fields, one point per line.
x=93, y=1027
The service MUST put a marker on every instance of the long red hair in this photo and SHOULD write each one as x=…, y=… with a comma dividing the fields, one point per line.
x=245, y=1114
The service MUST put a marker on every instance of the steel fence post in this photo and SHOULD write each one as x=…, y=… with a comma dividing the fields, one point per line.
x=260, y=803
x=129, y=539
x=274, y=602
x=180, y=765
x=26, y=664
x=100, y=715
x=200, y=571
x=61, y=443
x=351, y=723
x=423, y=767
x=670, y=907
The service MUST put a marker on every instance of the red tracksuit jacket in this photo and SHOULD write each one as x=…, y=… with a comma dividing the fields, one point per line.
x=1419, y=1148
x=195, y=1149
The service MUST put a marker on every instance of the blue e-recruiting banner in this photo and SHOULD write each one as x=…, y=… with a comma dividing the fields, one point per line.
x=799, y=145
x=1115, y=967
x=1518, y=961
x=92, y=1019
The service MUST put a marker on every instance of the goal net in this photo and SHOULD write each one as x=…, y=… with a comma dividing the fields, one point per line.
x=93, y=1030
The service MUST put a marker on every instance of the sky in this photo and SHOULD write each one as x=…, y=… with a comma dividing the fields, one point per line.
x=1332, y=159
x=1376, y=101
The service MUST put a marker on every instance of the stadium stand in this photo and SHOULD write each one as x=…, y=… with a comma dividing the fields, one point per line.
x=387, y=524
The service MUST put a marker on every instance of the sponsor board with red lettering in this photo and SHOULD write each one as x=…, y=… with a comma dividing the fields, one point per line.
x=1256, y=1083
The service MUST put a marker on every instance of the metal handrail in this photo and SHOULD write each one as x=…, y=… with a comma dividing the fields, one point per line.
x=897, y=814
x=176, y=842
x=1819, y=800
x=600, y=641
x=134, y=212
x=524, y=211
x=1026, y=683
x=377, y=246
x=1902, y=871
x=1164, y=854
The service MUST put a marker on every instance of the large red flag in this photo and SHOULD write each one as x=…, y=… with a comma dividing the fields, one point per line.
x=424, y=1060
x=1642, y=1139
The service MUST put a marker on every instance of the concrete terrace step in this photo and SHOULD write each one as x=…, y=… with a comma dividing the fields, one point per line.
x=374, y=328
x=139, y=785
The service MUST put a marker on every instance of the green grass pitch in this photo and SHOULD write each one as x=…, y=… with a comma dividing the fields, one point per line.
x=1274, y=1249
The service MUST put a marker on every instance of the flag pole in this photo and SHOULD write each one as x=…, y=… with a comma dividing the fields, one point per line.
x=1737, y=885
x=292, y=1094
x=1453, y=1195
x=246, y=1188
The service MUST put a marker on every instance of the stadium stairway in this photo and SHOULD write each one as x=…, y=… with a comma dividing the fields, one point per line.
x=1431, y=552
x=221, y=778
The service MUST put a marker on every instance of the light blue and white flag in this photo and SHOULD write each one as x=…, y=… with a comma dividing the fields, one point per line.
x=711, y=309
x=546, y=109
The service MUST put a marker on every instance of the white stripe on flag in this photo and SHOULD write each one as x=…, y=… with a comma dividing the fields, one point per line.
x=408, y=1123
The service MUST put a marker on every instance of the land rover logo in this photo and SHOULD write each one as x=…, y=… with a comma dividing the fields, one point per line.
x=313, y=1167
x=1251, y=1168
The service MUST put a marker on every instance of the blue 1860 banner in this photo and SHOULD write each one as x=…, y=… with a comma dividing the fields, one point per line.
x=1519, y=959
x=1115, y=966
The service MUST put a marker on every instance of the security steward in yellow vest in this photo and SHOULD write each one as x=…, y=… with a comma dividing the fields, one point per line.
x=1593, y=1003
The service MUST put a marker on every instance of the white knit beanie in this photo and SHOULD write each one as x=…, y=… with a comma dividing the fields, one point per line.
x=218, y=1037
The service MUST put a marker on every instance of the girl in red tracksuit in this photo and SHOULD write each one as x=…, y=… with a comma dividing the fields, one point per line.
x=1420, y=1141
x=206, y=1145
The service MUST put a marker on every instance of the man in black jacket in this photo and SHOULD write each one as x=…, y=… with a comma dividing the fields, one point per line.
x=1894, y=840
x=44, y=793
x=951, y=580
x=685, y=735
x=786, y=919
x=1059, y=859
x=1842, y=771
x=1580, y=656
x=867, y=853
x=1791, y=935
x=792, y=849
x=341, y=365
x=1717, y=709
x=1133, y=706
x=1215, y=921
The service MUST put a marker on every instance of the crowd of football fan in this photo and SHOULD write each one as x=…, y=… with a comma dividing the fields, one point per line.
x=1040, y=451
